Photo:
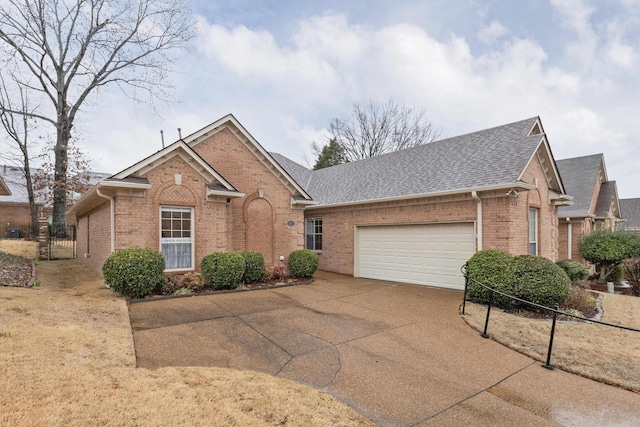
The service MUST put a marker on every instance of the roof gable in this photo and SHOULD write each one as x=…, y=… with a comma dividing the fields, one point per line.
x=4, y=190
x=580, y=176
x=186, y=153
x=608, y=204
x=231, y=123
x=491, y=158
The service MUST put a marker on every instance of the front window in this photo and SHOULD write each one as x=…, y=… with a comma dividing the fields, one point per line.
x=176, y=242
x=533, y=231
x=314, y=234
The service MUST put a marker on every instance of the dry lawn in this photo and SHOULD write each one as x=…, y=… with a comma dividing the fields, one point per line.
x=23, y=248
x=67, y=358
x=599, y=352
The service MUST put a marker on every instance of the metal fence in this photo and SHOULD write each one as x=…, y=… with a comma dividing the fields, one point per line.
x=62, y=242
x=555, y=312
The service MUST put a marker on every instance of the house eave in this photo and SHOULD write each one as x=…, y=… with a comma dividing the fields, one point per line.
x=92, y=196
x=522, y=186
x=225, y=194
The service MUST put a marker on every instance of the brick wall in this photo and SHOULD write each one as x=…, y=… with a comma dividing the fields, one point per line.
x=93, y=245
x=238, y=165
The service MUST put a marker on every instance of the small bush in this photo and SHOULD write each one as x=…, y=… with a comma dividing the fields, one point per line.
x=632, y=274
x=303, y=263
x=574, y=269
x=492, y=268
x=223, y=270
x=540, y=281
x=580, y=300
x=254, y=271
x=134, y=272
x=278, y=272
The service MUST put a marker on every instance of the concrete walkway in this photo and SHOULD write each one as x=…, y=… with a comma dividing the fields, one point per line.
x=400, y=354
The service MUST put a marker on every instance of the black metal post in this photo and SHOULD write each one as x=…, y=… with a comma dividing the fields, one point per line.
x=553, y=331
x=464, y=298
x=486, y=322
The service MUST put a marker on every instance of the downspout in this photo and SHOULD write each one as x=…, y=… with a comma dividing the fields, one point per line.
x=569, y=239
x=475, y=196
x=112, y=202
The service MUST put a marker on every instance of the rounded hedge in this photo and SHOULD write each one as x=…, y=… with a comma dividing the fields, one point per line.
x=254, y=270
x=134, y=272
x=574, y=269
x=492, y=268
x=302, y=263
x=540, y=281
x=223, y=270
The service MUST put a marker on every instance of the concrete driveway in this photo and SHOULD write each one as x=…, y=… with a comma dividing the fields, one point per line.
x=399, y=354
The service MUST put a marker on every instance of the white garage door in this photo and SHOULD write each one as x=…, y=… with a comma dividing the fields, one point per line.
x=430, y=254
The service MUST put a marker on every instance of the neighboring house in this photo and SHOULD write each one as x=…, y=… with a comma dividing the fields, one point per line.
x=413, y=216
x=631, y=213
x=595, y=202
x=14, y=209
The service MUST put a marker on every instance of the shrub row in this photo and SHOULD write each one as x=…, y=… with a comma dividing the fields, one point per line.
x=137, y=272
x=574, y=269
x=531, y=278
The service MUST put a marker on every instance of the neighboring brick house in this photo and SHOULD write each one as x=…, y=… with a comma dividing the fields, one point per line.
x=412, y=216
x=14, y=209
x=215, y=190
x=595, y=202
x=630, y=209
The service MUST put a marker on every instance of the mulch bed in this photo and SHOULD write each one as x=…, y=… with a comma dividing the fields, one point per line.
x=16, y=271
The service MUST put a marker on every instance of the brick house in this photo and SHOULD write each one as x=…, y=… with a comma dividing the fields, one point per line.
x=595, y=202
x=412, y=216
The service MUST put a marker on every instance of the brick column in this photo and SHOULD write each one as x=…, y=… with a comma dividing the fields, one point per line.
x=43, y=236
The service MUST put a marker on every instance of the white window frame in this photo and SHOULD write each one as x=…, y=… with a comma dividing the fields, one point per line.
x=170, y=240
x=534, y=216
x=314, y=234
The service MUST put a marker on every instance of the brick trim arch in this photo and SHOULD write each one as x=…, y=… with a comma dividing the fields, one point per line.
x=259, y=230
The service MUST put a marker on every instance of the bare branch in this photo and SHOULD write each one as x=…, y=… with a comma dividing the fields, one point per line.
x=373, y=129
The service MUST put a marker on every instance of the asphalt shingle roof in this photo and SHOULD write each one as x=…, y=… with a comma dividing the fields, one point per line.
x=579, y=176
x=631, y=212
x=605, y=198
x=489, y=157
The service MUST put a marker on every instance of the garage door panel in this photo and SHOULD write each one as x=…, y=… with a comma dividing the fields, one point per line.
x=429, y=254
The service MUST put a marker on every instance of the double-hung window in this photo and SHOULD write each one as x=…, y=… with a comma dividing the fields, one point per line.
x=313, y=234
x=533, y=231
x=176, y=237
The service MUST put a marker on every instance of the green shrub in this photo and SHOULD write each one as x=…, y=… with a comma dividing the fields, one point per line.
x=607, y=249
x=574, y=269
x=134, y=272
x=223, y=270
x=492, y=268
x=254, y=271
x=302, y=263
x=540, y=281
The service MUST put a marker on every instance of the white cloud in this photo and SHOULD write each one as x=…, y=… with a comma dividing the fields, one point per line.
x=489, y=34
x=286, y=90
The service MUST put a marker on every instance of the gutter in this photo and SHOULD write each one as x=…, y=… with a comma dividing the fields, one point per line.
x=569, y=238
x=112, y=203
x=514, y=185
x=474, y=195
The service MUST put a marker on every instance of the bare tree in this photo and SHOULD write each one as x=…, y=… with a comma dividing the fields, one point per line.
x=375, y=128
x=78, y=178
x=72, y=48
x=18, y=124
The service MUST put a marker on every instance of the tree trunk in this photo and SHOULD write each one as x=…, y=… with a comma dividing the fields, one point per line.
x=33, y=208
x=60, y=175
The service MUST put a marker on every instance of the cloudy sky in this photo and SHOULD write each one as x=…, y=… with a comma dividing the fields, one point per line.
x=285, y=68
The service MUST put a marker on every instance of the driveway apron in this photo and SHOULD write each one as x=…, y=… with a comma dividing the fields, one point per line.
x=400, y=354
